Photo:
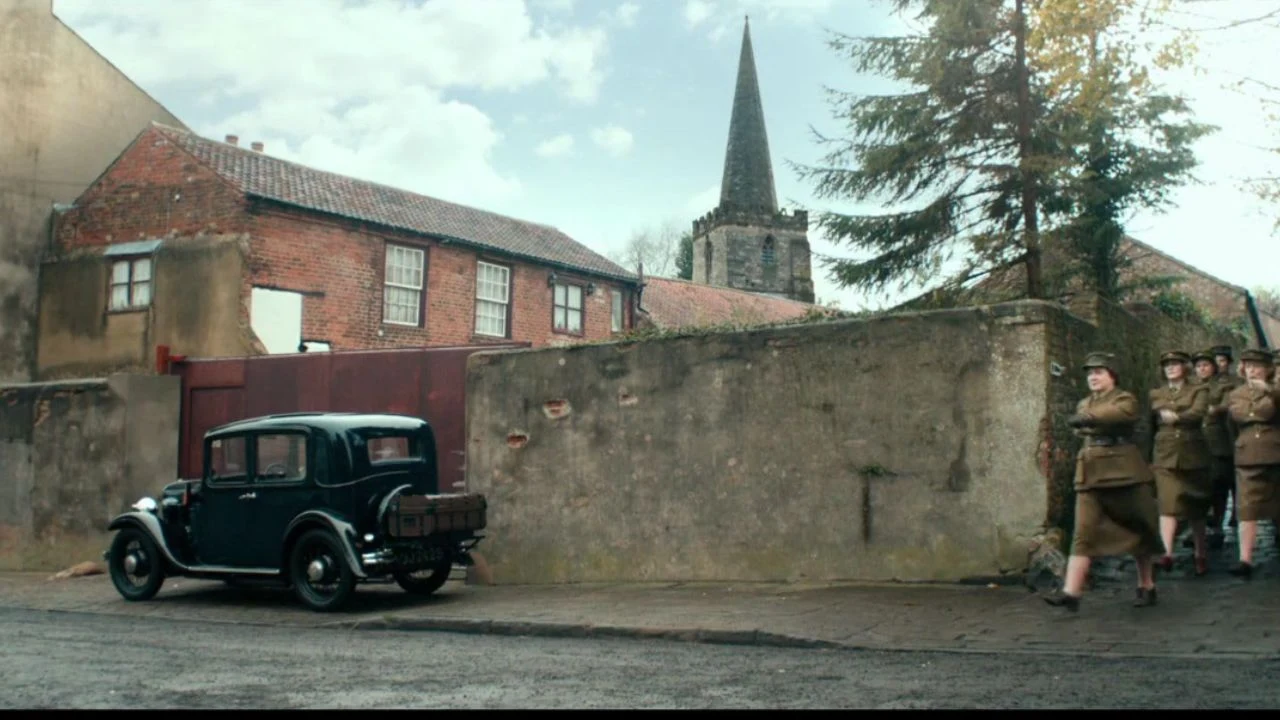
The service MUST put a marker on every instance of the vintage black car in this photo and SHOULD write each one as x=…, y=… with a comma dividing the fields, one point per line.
x=318, y=501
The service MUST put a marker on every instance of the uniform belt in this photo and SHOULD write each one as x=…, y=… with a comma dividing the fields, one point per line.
x=1108, y=440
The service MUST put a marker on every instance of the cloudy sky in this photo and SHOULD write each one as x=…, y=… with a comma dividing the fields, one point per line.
x=601, y=117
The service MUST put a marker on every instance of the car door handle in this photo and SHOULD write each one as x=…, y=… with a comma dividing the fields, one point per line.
x=248, y=496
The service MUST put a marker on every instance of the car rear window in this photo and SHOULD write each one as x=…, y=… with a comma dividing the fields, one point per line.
x=385, y=448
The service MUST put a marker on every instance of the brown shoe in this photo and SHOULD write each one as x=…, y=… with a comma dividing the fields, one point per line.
x=1061, y=599
x=1145, y=597
x=1242, y=570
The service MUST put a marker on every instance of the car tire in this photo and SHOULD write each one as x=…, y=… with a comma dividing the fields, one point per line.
x=425, y=584
x=131, y=584
x=309, y=581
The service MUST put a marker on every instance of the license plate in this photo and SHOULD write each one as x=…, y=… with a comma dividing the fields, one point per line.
x=421, y=556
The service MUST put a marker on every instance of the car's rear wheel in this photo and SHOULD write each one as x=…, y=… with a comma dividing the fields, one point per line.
x=425, y=582
x=322, y=580
x=135, y=565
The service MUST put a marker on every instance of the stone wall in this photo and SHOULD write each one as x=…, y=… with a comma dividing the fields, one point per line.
x=899, y=447
x=74, y=454
x=918, y=446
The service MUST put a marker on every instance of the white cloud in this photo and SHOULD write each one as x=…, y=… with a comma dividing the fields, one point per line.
x=555, y=6
x=615, y=140
x=704, y=202
x=626, y=14
x=321, y=92
x=697, y=11
x=556, y=146
x=723, y=17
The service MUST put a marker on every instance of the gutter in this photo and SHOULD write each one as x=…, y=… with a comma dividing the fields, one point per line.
x=1259, y=331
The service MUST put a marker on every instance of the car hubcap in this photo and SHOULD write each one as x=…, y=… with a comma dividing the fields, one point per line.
x=318, y=569
x=135, y=564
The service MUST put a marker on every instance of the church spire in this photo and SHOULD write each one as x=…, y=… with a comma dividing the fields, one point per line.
x=748, y=172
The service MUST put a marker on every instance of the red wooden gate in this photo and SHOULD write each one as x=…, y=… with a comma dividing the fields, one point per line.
x=429, y=383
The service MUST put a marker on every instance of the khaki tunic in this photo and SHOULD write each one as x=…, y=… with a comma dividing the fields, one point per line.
x=1116, y=510
x=1180, y=455
x=1256, y=413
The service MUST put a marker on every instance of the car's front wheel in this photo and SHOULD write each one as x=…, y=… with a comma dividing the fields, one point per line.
x=321, y=577
x=425, y=582
x=135, y=565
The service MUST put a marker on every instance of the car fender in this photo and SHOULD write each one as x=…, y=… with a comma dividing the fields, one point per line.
x=345, y=531
x=149, y=524
x=386, y=503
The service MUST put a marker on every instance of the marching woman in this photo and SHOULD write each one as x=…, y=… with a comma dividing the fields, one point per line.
x=1115, y=499
x=1255, y=408
x=1217, y=436
x=1180, y=457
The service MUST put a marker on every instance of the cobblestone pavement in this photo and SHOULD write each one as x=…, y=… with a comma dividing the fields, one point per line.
x=1212, y=616
x=76, y=660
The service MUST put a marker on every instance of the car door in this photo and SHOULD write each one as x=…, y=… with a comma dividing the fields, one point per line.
x=284, y=485
x=221, y=513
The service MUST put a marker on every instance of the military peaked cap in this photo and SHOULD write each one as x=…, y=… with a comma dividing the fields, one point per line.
x=1224, y=350
x=1206, y=355
x=1175, y=356
x=1261, y=355
x=1104, y=360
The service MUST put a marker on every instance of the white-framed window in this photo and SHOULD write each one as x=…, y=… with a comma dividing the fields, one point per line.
x=617, y=315
x=130, y=283
x=402, y=286
x=566, y=311
x=493, y=298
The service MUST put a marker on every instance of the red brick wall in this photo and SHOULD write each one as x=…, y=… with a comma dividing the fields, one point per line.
x=342, y=268
x=152, y=189
x=1224, y=303
x=155, y=190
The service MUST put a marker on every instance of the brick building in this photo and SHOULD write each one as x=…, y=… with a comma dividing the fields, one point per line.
x=1227, y=304
x=210, y=248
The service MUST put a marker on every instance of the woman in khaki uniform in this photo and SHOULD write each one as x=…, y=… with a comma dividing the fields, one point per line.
x=1217, y=436
x=1115, y=498
x=1255, y=408
x=1180, y=457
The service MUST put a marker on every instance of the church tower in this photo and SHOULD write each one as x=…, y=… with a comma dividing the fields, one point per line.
x=746, y=242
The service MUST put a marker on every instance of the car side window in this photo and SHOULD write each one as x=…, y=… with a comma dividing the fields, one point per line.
x=228, y=462
x=281, y=457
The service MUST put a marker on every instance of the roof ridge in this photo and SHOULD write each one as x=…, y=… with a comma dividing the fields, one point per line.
x=311, y=168
x=750, y=293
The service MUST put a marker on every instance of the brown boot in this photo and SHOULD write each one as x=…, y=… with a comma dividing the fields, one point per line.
x=1145, y=597
x=1061, y=599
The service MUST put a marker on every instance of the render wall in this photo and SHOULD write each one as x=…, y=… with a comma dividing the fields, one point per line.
x=194, y=310
x=74, y=454
x=903, y=447
x=67, y=112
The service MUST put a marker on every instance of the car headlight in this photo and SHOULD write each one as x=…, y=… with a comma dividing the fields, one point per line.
x=146, y=504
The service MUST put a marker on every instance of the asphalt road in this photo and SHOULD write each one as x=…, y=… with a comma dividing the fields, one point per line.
x=57, y=660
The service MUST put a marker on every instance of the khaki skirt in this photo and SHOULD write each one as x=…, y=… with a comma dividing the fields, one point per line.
x=1258, y=493
x=1184, y=494
x=1117, y=521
